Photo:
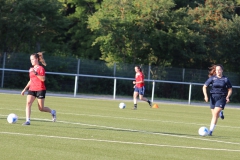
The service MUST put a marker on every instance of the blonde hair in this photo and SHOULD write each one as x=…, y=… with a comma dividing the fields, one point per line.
x=40, y=58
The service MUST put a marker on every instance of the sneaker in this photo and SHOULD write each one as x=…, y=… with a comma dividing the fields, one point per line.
x=150, y=103
x=134, y=108
x=54, y=115
x=26, y=123
x=221, y=115
x=210, y=133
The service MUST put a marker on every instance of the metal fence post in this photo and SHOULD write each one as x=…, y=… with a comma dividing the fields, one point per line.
x=149, y=69
x=114, y=88
x=114, y=70
x=190, y=93
x=183, y=75
x=153, y=88
x=4, y=61
x=76, y=79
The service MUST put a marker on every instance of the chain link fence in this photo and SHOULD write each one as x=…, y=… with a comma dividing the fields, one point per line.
x=105, y=86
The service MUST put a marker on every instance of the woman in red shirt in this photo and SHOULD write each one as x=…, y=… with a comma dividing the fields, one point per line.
x=36, y=87
x=139, y=87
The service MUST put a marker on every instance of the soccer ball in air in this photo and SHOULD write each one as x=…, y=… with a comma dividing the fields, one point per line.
x=203, y=131
x=12, y=118
x=122, y=105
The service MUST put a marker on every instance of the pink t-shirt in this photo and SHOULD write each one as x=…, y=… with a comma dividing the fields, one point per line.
x=36, y=84
x=139, y=77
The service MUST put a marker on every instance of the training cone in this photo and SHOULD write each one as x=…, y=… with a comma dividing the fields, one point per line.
x=155, y=106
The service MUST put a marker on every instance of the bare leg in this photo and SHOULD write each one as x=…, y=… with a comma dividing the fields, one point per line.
x=41, y=106
x=30, y=100
x=215, y=115
x=143, y=98
x=135, y=94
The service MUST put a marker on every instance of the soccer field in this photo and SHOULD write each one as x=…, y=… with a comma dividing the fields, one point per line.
x=94, y=129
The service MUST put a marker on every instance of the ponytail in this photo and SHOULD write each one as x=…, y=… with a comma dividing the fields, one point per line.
x=40, y=58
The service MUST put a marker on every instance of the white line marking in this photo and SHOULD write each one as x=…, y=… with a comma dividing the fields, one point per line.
x=174, y=122
x=138, y=131
x=121, y=142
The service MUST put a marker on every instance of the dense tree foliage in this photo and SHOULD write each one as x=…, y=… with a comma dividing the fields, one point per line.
x=31, y=25
x=146, y=32
x=79, y=37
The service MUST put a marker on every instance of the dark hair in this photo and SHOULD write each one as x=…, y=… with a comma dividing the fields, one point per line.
x=213, y=69
x=40, y=58
x=219, y=66
x=140, y=69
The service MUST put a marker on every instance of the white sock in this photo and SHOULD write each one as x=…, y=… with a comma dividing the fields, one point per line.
x=28, y=119
x=212, y=126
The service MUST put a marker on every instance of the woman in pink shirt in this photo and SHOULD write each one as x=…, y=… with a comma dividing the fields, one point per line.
x=139, y=87
x=36, y=87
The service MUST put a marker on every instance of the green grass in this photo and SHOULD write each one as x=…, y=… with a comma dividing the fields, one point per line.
x=95, y=129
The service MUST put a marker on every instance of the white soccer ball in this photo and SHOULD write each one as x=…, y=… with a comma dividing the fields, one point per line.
x=122, y=105
x=12, y=118
x=203, y=131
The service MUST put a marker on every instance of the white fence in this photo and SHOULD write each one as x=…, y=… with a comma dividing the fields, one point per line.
x=114, y=78
x=108, y=77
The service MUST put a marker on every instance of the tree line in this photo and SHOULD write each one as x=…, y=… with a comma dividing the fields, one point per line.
x=167, y=33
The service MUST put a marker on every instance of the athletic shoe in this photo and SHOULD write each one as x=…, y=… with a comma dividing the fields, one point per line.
x=26, y=123
x=150, y=103
x=54, y=115
x=221, y=115
x=134, y=108
x=210, y=133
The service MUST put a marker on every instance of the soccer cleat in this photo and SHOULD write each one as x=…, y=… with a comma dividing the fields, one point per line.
x=210, y=133
x=134, y=108
x=150, y=103
x=54, y=115
x=221, y=115
x=26, y=123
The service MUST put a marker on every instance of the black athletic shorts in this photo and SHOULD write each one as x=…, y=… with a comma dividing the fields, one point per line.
x=38, y=94
x=217, y=100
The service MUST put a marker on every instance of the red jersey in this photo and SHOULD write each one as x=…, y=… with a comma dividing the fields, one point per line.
x=36, y=84
x=139, y=77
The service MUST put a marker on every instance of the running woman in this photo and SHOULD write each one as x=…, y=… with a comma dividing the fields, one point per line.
x=139, y=87
x=36, y=87
x=219, y=94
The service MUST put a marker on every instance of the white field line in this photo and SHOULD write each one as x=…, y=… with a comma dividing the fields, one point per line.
x=138, y=131
x=137, y=119
x=120, y=142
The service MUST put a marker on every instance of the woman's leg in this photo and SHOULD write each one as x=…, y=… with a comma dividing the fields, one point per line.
x=215, y=115
x=30, y=100
x=42, y=108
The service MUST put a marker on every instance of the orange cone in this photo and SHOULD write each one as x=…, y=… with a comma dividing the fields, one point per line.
x=155, y=106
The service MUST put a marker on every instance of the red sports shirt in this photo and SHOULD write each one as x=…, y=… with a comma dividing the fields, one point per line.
x=139, y=77
x=36, y=84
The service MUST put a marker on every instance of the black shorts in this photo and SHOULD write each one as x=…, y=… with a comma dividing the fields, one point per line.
x=217, y=100
x=38, y=94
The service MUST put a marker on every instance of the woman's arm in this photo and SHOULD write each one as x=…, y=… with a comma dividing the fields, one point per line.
x=27, y=86
x=205, y=93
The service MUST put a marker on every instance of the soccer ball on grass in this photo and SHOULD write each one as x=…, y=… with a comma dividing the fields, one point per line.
x=203, y=131
x=12, y=118
x=122, y=105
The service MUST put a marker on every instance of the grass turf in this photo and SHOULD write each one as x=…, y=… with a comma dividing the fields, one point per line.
x=98, y=129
